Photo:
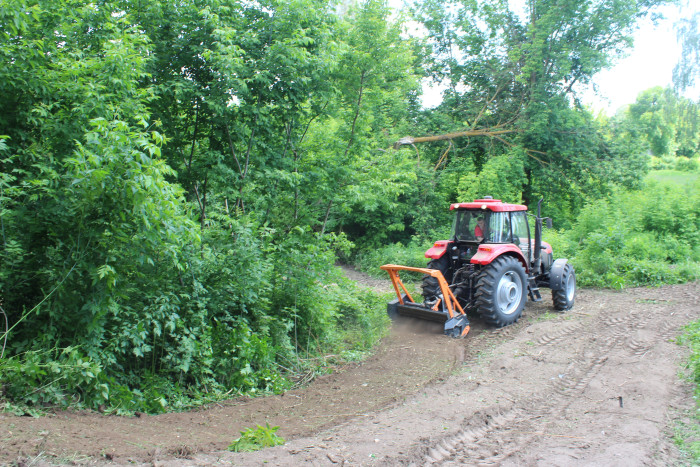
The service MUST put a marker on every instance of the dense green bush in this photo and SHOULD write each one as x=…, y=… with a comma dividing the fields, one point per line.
x=163, y=225
x=645, y=237
x=246, y=305
x=675, y=163
x=685, y=164
x=56, y=377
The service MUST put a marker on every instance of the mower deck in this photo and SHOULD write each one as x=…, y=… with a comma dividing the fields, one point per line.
x=447, y=310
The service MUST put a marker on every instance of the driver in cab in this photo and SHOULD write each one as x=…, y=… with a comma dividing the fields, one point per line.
x=479, y=229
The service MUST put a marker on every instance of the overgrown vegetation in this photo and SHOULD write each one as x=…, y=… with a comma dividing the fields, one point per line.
x=178, y=179
x=649, y=236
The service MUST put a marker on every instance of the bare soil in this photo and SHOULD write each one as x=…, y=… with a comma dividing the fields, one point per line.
x=598, y=385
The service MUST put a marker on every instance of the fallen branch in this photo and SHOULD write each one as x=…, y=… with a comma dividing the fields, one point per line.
x=448, y=136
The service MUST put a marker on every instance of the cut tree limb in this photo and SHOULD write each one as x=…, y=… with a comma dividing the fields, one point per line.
x=448, y=136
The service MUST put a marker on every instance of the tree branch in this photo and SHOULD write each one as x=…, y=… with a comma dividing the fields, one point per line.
x=448, y=136
x=233, y=152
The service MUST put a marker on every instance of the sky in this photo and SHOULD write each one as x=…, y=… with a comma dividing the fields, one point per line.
x=649, y=63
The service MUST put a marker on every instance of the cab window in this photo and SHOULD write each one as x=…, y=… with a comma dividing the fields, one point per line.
x=521, y=232
x=499, y=227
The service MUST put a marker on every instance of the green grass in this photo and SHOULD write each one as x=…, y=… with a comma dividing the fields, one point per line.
x=675, y=177
x=687, y=436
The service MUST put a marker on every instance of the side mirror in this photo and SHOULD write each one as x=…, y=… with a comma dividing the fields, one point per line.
x=549, y=222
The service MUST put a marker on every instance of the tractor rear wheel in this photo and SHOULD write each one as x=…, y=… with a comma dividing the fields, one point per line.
x=564, y=296
x=501, y=291
x=430, y=285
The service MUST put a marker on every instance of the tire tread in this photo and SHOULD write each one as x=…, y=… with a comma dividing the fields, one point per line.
x=559, y=295
x=485, y=290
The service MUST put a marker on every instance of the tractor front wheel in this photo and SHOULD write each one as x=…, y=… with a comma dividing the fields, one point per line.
x=564, y=296
x=501, y=291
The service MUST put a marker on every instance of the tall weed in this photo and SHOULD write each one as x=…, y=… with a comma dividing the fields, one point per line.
x=645, y=237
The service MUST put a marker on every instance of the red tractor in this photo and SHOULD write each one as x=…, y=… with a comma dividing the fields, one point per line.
x=491, y=265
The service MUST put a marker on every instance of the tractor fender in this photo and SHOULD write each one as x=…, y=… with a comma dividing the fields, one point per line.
x=438, y=249
x=556, y=273
x=489, y=252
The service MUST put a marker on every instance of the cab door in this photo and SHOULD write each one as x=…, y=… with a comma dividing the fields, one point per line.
x=521, y=233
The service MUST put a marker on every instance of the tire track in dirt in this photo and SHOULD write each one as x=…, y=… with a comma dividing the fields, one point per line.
x=638, y=348
x=578, y=376
x=552, y=338
x=586, y=363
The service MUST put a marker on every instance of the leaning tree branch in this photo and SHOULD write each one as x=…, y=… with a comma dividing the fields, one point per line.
x=486, y=105
x=448, y=136
x=443, y=157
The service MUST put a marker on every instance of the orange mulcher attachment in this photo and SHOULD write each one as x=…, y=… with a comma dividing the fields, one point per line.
x=447, y=309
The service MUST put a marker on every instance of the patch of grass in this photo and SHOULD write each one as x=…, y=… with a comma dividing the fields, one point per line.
x=548, y=315
x=691, y=338
x=355, y=355
x=257, y=439
x=687, y=436
x=675, y=177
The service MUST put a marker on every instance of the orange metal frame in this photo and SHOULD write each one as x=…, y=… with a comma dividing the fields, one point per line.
x=450, y=300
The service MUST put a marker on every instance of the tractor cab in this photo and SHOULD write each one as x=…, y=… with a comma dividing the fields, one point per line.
x=492, y=221
x=489, y=227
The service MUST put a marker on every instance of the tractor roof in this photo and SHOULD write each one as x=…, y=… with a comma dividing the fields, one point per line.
x=495, y=205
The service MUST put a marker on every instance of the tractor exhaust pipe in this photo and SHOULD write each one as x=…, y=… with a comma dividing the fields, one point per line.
x=538, y=240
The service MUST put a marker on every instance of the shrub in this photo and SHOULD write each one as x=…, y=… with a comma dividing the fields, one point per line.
x=687, y=165
x=412, y=255
x=59, y=377
x=256, y=439
x=645, y=237
x=246, y=301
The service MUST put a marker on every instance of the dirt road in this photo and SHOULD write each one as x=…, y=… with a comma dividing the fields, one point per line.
x=595, y=386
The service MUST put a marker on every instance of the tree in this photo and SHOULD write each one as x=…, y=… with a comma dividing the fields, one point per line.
x=667, y=122
x=654, y=111
x=237, y=95
x=167, y=176
x=88, y=214
x=688, y=67
x=349, y=178
x=519, y=71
